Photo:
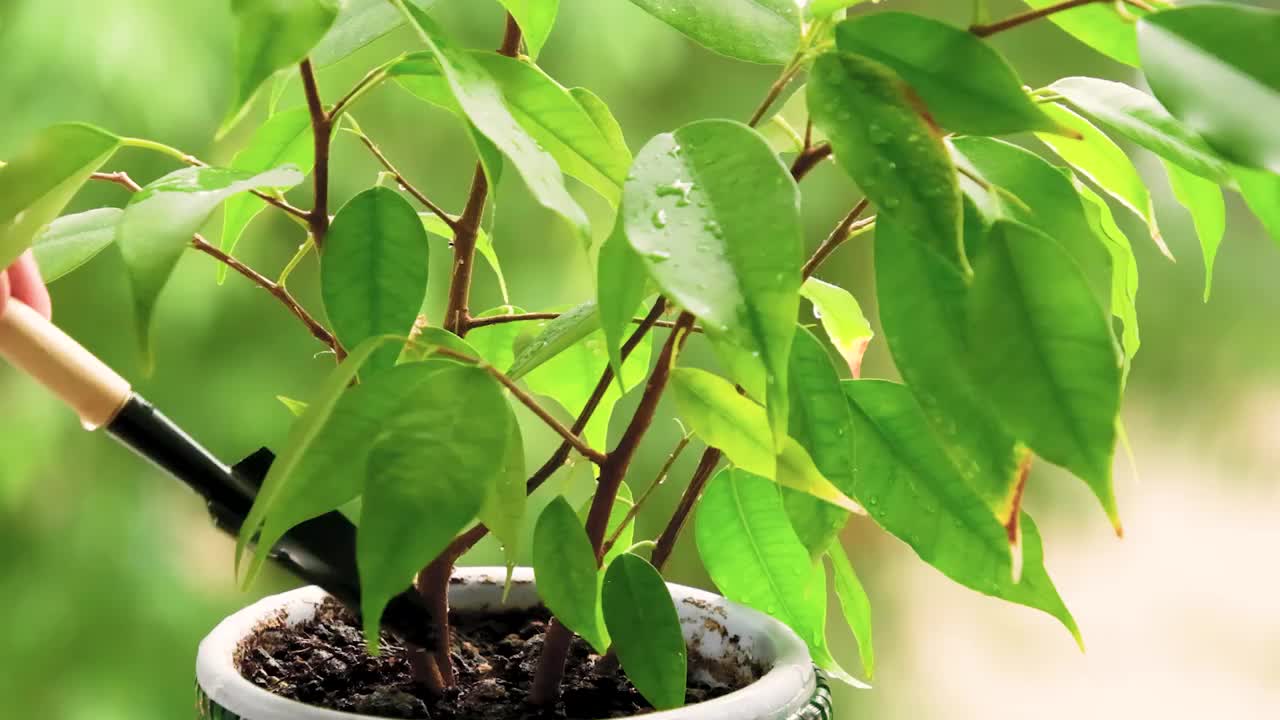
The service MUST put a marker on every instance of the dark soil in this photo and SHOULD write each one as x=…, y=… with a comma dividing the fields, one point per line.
x=323, y=662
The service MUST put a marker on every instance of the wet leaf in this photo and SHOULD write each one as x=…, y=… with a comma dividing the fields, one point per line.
x=271, y=36
x=567, y=574
x=842, y=319
x=373, y=272
x=555, y=337
x=715, y=217
x=759, y=31
x=646, y=633
x=359, y=23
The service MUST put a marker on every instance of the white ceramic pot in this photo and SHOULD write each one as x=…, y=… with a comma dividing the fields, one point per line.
x=789, y=690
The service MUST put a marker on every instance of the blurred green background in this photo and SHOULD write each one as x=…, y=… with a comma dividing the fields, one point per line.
x=110, y=574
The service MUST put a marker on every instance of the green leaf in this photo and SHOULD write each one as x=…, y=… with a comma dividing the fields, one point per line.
x=565, y=567
x=1210, y=67
x=966, y=84
x=484, y=245
x=1045, y=354
x=1098, y=26
x=159, y=221
x=560, y=124
x=423, y=343
x=1261, y=192
x=507, y=501
x=646, y=632
x=1203, y=199
x=312, y=474
x=923, y=300
x=622, y=282
x=555, y=337
x=359, y=23
x=855, y=605
x=1138, y=117
x=272, y=35
x=373, y=273
x=482, y=99
x=1100, y=160
x=1124, y=279
x=890, y=151
x=285, y=139
x=74, y=240
x=755, y=558
x=536, y=18
x=1043, y=197
x=570, y=378
x=295, y=407
x=758, y=31
x=37, y=183
x=737, y=426
x=820, y=423
x=452, y=419
x=914, y=492
x=820, y=9
x=715, y=216
x=622, y=505
x=842, y=319
x=603, y=117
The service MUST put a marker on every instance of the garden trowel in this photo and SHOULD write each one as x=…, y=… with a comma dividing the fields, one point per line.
x=320, y=551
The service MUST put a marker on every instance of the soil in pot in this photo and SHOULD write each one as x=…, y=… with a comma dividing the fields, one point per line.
x=323, y=662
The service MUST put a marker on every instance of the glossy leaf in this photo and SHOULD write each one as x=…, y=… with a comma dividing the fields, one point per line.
x=889, y=149
x=755, y=558
x=160, y=219
x=724, y=419
x=555, y=337
x=1203, y=199
x=759, y=31
x=504, y=506
x=1261, y=191
x=285, y=139
x=842, y=319
x=646, y=633
x=1045, y=354
x=820, y=424
x=73, y=240
x=1124, y=278
x=923, y=300
x=271, y=36
x=565, y=566
x=359, y=23
x=1099, y=26
x=570, y=379
x=1100, y=160
x=1209, y=66
x=715, y=217
x=914, y=492
x=39, y=181
x=536, y=18
x=621, y=285
x=854, y=604
x=967, y=86
x=481, y=98
x=603, y=117
x=373, y=273
x=453, y=420
x=321, y=465
x=1036, y=193
x=1141, y=119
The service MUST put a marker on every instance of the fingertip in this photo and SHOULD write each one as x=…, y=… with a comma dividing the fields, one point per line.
x=27, y=285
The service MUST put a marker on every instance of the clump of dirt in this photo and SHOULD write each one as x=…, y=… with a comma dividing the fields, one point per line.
x=323, y=662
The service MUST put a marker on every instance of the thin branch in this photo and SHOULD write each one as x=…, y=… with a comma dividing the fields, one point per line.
x=371, y=78
x=667, y=540
x=842, y=232
x=1023, y=18
x=320, y=332
x=511, y=37
x=474, y=323
x=775, y=91
x=811, y=158
x=408, y=186
x=321, y=131
x=457, y=315
x=644, y=497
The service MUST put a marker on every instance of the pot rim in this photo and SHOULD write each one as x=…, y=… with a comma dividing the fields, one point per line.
x=783, y=691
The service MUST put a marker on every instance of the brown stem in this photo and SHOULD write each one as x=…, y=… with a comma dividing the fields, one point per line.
x=836, y=238
x=457, y=315
x=667, y=540
x=511, y=38
x=279, y=291
x=433, y=586
x=775, y=90
x=1020, y=19
x=474, y=323
x=408, y=186
x=321, y=132
x=551, y=663
x=811, y=158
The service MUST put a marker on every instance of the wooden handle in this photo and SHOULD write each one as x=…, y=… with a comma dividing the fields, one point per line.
x=38, y=348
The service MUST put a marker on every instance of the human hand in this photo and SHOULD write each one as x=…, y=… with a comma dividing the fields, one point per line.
x=22, y=281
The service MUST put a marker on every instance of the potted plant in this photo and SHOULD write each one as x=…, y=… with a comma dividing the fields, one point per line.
x=1006, y=293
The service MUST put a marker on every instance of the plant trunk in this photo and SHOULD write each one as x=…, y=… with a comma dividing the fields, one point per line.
x=433, y=585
